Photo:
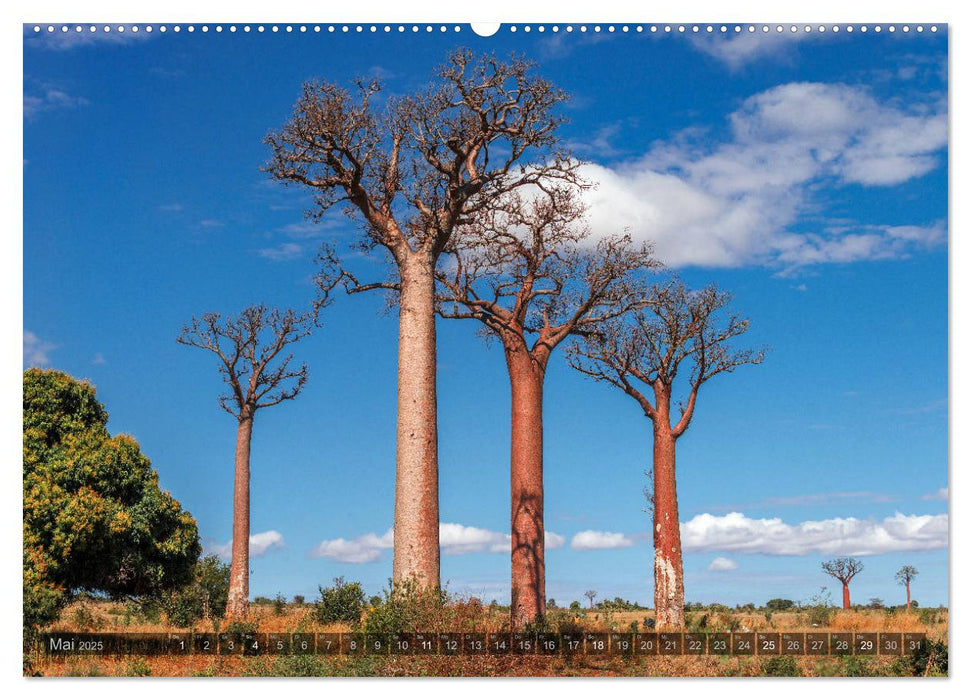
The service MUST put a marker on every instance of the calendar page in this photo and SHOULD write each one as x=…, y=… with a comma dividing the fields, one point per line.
x=546, y=349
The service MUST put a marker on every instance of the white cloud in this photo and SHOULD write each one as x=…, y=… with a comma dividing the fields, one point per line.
x=722, y=564
x=36, y=351
x=284, y=251
x=739, y=49
x=259, y=544
x=941, y=495
x=59, y=40
x=454, y=539
x=47, y=98
x=98, y=359
x=843, y=536
x=360, y=550
x=738, y=201
x=594, y=539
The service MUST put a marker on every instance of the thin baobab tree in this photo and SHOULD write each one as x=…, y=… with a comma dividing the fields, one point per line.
x=843, y=569
x=643, y=354
x=904, y=577
x=258, y=373
x=530, y=273
x=411, y=169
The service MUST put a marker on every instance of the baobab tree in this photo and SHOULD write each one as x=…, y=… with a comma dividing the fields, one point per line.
x=590, y=595
x=411, y=169
x=904, y=577
x=645, y=351
x=843, y=569
x=249, y=347
x=528, y=272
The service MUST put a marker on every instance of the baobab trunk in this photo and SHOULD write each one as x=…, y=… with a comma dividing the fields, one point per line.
x=908, y=594
x=237, y=602
x=668, y=567
x=416, y=553
x=528, y=594
x=846, y=596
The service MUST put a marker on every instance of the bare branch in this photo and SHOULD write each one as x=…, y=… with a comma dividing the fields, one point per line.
x=247, y=346
x=526, y=267
x=649, y=345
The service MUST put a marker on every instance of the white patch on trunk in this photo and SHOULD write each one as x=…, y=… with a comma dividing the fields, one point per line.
x=665, y=576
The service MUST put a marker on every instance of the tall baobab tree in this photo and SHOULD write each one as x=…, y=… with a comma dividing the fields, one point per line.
x=590, y=595
x=249, y=347
x=527, y=271
x=904, y=577
x=843, y=569
x=411, y=169
x=644, y=352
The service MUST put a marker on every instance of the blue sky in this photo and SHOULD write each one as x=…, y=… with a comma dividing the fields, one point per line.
x=807, y=174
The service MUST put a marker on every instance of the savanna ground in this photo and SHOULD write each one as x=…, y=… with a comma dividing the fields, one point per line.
x=471, y=616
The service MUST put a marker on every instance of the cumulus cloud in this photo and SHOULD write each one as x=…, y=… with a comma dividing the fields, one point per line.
x=360, y=550
x=722, y=564
x=735, y=532
x=594, y=539
x=36, y=351
x=738, y=201
x=259, y=544
x=454, y=539
x=940, y=495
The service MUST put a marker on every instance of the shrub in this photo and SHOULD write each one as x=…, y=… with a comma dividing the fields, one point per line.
x=84, y=619
x=410, y=607
x=204, y=596
x=137, y=667
x=279, y=604
x=299, y=600
x=779, y=604
x=342, y=602
x=781, y=666
x=857, y=667
x=931, y=659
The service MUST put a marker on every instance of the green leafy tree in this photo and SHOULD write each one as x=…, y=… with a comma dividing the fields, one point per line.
x=779, y=604
x=95, y=518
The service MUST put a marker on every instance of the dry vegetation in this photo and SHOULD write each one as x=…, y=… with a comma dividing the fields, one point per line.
x=470, y=616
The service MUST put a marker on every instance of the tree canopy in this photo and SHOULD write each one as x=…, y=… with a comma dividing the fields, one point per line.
x=95, y=518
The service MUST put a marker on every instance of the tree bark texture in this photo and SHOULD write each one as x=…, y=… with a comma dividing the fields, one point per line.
x=668, y=565
x=528, y=593
x=846, y=596
x=237, y=603
x=416, y=545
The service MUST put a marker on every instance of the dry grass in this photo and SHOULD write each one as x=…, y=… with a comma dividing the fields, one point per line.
x=107, y=617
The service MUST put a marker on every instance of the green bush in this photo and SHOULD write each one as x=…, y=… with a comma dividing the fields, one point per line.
x=342, y=602
x=932, y=655
x=137, y=668
x=410, y=607
x=781, y=666
x=279, y=604
x=204, y=597
x=858, y=667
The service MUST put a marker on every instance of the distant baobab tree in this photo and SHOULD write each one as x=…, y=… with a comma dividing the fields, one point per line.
x=843, y=569
x=249, y=348
x=527, y=270
x=646, y=350
x=590, y=595
x=904, y=577
x=411, y=169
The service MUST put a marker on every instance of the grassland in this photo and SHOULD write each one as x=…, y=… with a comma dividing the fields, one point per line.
x=107, y=617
